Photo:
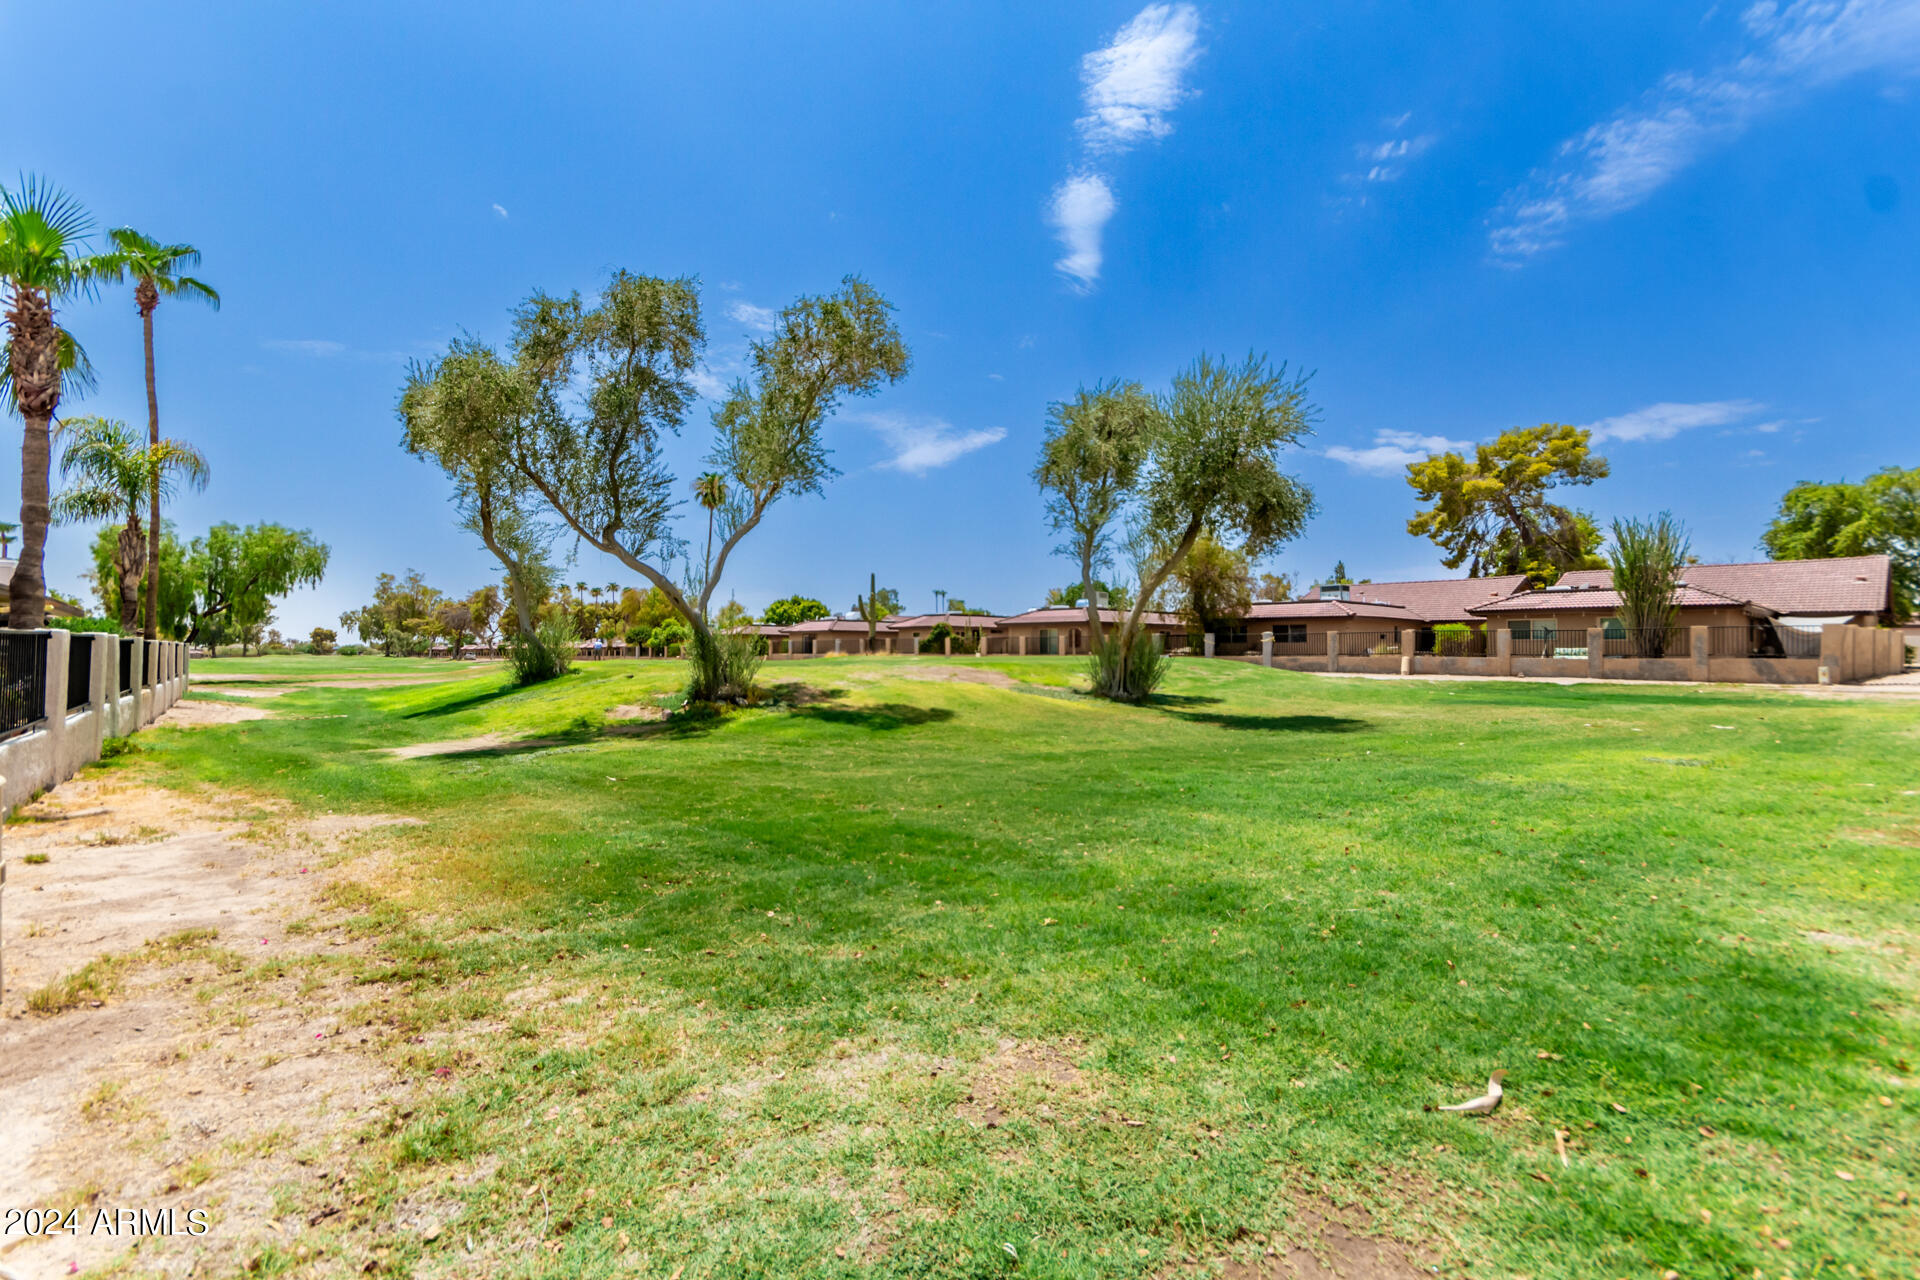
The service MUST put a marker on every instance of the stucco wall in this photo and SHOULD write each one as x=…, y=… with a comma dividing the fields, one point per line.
x=66, y=741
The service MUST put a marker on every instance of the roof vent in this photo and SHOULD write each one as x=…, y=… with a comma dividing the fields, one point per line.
x=1336, y=591
x=1561, y=586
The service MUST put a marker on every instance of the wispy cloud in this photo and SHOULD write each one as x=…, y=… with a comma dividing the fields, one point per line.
x=1786, y=51
x=922, y=443
x=306, y=346
x=1385, y=161
x=1393, y=451
x=760, y=318
x=501, y=210
x=1666, y=420
x=1129, y=88
x=1081, y=208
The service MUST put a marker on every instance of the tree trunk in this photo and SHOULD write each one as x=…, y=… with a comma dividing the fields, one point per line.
x=128, y=558
x=148, y=298
x=36, y=385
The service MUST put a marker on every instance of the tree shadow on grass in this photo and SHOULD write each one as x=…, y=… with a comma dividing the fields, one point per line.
x=1182, y=700
x=1275, y=724
x=883, y=715
x=463, y=704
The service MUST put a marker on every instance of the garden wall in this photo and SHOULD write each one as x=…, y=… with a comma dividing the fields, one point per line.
x=60, y=735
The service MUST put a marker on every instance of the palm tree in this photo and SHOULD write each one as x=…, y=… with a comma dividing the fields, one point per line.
x=154, y=268
x=710, y=490
x=116, y=475
x=8, y=532
x=43, y=259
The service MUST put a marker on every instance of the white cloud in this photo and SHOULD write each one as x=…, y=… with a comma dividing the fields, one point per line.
x=306, y=346
x=1393, y=451
x=1387, y=160
x=760, y=318
x=1079, y=213
x=1788, y=50
x=1132, y=84
x=501, y=210
x=920, y=444
x=1666, y=420
x=1129, y=88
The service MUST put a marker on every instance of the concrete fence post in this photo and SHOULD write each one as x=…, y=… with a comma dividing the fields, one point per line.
x=946, y=646
x=1408, y=639
x=1833, y=653
x=1333, y=650
x=1503, y=651
x=54, y=696
x=1206, y=644
x=1023, y=646
x=836, y=644
x=1702, y=647
x=1266, y=648
x=1596, y=652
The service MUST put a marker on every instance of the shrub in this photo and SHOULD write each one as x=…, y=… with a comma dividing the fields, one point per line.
x=1451, y=639
x=937, y=638
x=1130, y=676
x=544, y=655
x=351, y=650
x=721, y=667
x=85, y=624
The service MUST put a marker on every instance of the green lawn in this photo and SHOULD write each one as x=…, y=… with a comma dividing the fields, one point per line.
x=908, y=976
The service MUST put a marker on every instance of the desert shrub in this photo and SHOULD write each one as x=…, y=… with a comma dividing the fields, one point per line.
x=547, y=653
x=722, y=665
x=1452, y=638
x=936, y=641
x=1132, y=675
x=351, y=650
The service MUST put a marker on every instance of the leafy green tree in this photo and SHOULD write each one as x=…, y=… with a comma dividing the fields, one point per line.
x=1274, y=586
x=322, y=640
x=483, y=608
x=1339, y=574
x=1647, y=558
x=791, y=610
x=1212, y=461
x=1878, y=516
x=43, y=261
x=156, y=272
x=114, y=474
x=238, y=573
x=459, y=411
x=176, y=586
x=1213, y=586
x=732, y=614
x=1090, y=462
x=1492, y=512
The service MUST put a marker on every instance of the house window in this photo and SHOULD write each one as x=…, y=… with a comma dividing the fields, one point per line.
x=1614, y=630
x=1049, y=640
x=1521, y=630
x=1290, y=633
x=1232, y=633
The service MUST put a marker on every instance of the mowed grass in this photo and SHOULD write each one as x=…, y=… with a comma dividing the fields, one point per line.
x=935, y=978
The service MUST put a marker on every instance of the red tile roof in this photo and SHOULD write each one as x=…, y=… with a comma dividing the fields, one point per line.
x=833, y=624
x=1847, y=584
x=1290, y=610
x=957, y=621
x=1068, y=616
x=1435, y=599
x=1687, y=597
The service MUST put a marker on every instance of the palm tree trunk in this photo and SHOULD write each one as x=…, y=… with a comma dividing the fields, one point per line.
x=151, y=630
x=127, y=560
x=36, y=384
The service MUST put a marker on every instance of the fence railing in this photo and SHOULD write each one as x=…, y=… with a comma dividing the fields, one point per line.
x=23, y=681
x=125, y=686
x=1550, y=644
x=1451, y=642
x=1369, y=644
x=79, y=671
x=1648, y=642
x=1762, y=639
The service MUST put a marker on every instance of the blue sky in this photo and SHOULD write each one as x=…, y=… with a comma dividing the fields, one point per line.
x=1694, y=225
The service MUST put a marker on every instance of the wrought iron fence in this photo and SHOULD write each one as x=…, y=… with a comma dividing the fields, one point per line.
x=1647, y=642
x=79, y=671
x=1761, y=638
x=1451, y=642
x=1550, y=644
x=23, y=680
x=126, y=666
x=1369, y=644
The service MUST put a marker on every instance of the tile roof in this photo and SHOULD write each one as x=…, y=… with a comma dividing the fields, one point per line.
x=968, y=621
x=1436, y=599
x=1593, y=598
x=1288, y=610
x=833, y=624
x=1068, y=616
x=1846, y=584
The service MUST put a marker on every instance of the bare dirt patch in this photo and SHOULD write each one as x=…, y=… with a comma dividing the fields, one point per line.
x=155, y=1090
x=956, y=675
x=1022, y=1077
x=637, y=711
x=191, y=713
x=485, y=744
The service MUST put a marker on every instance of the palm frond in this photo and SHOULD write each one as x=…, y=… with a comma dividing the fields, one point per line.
x=171, y=458
x=87, y=503
x=160, y=264
x=39, y=203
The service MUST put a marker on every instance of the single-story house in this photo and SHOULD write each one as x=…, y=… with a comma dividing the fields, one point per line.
x=843, y=634
x=1552, y=619
x=1300, y=627
x=1857, y=590
x=1062, y=628
x=914, y=628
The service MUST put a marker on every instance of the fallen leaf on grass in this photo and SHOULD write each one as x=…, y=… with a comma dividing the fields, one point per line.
x=1617, y=1107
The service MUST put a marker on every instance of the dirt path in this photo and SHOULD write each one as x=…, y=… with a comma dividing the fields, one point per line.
x=145, y=1094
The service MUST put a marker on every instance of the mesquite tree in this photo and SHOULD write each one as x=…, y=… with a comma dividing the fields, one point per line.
x=599, y=384
x=1208, y=458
